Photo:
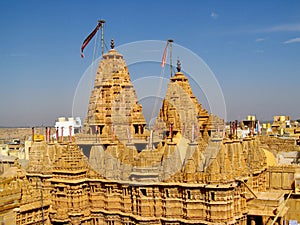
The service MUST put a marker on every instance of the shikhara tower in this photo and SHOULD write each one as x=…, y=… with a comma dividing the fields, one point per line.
x=113, y=107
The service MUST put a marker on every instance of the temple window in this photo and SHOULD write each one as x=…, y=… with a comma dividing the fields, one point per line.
x=209, y=133
x=189, y=194
x=212, y=194
x=109, y=190
x=167, y=193
x=136, y=128
x=101, y=128
x=144, y=191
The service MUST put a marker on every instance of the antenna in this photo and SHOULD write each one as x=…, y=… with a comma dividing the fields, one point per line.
x=171, y=67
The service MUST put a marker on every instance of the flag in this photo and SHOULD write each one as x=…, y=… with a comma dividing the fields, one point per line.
x=70, y=133
x=233, y=128
x=87, y=40
x=163, y=61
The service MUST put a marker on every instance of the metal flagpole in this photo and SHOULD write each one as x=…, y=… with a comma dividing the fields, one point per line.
x=171, y=67
x=102, y=34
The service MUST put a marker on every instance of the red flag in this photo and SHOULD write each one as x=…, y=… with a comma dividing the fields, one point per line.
x=87, y=40
x=163, y=61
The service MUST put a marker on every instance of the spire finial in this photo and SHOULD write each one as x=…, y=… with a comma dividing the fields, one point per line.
x=178, y=65
x=112, y=44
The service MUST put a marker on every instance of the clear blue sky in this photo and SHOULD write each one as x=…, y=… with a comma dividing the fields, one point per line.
x=253, y=47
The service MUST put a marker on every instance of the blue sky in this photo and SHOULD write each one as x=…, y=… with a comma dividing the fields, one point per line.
x=253, y=48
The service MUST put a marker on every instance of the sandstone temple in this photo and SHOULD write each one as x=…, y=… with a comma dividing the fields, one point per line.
x=186, y=169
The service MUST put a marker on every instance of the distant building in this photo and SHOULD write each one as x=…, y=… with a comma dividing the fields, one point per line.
x=64, y=126
x=280, y=123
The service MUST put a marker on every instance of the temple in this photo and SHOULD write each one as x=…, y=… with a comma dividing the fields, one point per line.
x=186, y=169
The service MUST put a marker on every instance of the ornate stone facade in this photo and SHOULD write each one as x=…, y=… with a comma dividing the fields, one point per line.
x=113, y=107
x=202, y=193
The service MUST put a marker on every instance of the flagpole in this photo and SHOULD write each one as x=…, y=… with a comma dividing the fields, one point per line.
x=171, y=67
x=102, y=34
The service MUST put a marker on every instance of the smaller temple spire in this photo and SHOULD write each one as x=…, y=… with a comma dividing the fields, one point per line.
x=178, y=65
x=112, y=44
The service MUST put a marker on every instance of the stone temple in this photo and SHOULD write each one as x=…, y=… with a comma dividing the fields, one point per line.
x=117, y=171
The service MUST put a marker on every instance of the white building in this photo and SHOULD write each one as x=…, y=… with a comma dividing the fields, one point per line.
x=64, y=126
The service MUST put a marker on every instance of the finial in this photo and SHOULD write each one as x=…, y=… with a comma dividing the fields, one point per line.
x=178, y=65
x=112, y=44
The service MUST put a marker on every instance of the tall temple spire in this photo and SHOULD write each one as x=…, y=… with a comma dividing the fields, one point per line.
x=107, y=106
